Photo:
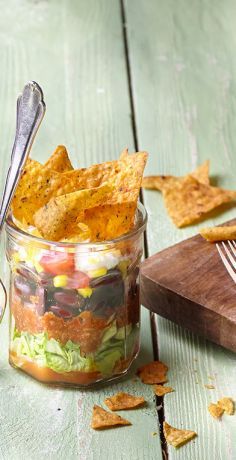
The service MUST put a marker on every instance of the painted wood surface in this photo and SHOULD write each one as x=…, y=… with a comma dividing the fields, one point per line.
x=183, y=81
x=183, y=67
x=75, y=50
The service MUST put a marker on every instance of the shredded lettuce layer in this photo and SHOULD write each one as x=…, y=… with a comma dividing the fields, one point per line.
x=116, y=344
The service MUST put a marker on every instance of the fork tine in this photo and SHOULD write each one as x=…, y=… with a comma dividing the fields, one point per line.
x=226, y=263
x=233, y=249
x=230, y=257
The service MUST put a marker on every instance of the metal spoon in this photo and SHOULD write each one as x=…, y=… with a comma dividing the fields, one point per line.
x=29, y=114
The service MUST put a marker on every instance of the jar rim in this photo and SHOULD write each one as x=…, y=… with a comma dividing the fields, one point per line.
x=14, y=231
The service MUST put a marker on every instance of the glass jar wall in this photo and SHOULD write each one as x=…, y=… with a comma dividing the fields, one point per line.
x=75, y=309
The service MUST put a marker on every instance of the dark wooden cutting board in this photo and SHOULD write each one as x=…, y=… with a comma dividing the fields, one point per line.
x=188, y=284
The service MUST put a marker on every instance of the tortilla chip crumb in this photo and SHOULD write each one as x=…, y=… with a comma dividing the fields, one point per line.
x=102, y=419
x=215, y=410
x=154, y=372
x=176, y=437
x=161, y=390
x=123, y=401
x=154, y=433
x=227, y=404
x=209, y=387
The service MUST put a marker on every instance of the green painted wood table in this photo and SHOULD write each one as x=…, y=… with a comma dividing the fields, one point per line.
x=158, y=75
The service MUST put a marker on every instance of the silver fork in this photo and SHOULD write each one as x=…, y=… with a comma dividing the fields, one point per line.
x=227, y=251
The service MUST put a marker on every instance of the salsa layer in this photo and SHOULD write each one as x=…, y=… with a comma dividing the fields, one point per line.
x=85, y=329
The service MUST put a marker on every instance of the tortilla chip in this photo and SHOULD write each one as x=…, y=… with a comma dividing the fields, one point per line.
x=162, y=182
x=201, y=173
x=227, y=404
x=129, y=179
x=124, y=154
x=91, y=177
x=39, y=184
x=110, y=221
x=103, y=419
x=59, y=161
x=123, y=401
x=160, y=390
x=176, y=437
x=117, y=216
x=154, y=372
x=125, y=176
x=79, y=233
x=33, y=163
x=34, y=190
x=215, y=410
x=219, y=233
x=55, y=220
x=159, y=182
x=190, y=200
x=36, y=199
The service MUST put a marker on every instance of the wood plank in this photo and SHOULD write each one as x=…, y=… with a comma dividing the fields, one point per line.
x=183, y=69
x=75, y=51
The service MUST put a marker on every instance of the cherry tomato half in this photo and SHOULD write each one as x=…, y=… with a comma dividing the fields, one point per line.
x=57, y=263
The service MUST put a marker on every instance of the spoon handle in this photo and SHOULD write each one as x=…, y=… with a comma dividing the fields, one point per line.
x=29, y=114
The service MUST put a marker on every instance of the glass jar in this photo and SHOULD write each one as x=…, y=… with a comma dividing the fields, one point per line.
x=75, y=309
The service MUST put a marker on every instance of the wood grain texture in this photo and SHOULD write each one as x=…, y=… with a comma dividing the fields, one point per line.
x=183, y=69
x=74, y=49
x=187, y=284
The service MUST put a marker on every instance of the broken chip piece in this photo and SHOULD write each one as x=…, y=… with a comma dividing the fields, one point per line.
x=219, y=233
x=161, y=390
x=123, y=401
x=215, y=410
x=227, y=404
x=209, y=386
x=154, y=372
x=102, y=419
x=177, y=437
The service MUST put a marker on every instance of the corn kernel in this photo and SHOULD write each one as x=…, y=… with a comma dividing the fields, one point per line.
x=98, y=272
x=16, y=257
x=38, y=267
x=123, y=266
x=60, y=280
x=85, y=292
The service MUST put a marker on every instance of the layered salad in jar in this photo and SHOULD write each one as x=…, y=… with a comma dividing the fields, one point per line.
x=74, y=252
